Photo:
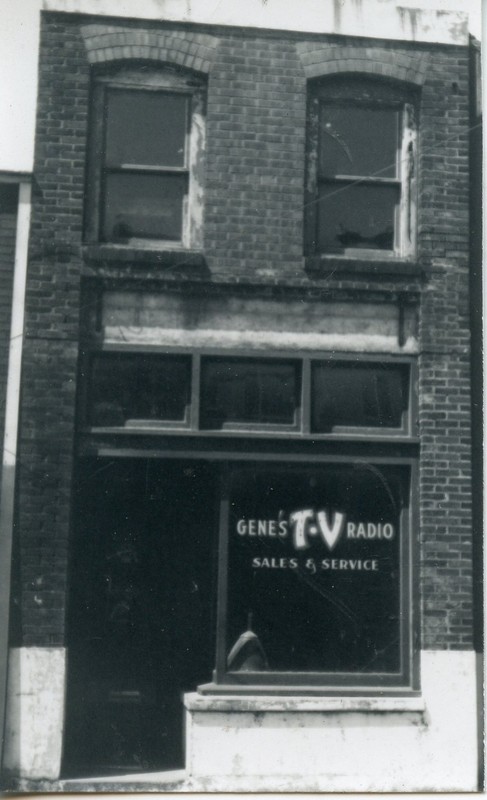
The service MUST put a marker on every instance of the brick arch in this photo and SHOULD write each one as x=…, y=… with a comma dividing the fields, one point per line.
x=325, y=60
x=105, y=43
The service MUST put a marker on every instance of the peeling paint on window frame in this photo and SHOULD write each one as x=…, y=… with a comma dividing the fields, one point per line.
x=363, y=91
x=173, y=80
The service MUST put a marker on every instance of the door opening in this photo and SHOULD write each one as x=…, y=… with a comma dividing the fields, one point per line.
x=141, y=615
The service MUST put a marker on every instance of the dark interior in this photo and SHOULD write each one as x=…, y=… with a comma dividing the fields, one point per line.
x=140, y=622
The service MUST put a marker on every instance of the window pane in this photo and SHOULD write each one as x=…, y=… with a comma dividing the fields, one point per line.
x=358, y=141
x=144, y=387
x=356, y=216
x=146, y=128
x=358, y=396
x=314, y=558
x=145, y=206
x=235, y=390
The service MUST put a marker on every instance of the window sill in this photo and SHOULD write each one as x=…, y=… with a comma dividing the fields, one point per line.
x=378, y=437
x=322, y=265
x=170, y=257
x=196, y=702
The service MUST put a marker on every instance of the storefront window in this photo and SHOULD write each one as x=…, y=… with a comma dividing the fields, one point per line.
x=317, y=564
x=315, y=460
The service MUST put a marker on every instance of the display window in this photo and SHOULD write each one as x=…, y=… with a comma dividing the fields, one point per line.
x=315, y=566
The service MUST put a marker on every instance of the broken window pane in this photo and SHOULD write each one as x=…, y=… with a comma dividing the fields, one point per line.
x=356, y=215
x=358, y=141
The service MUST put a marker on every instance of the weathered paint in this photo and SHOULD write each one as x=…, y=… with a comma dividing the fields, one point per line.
x=197, y=172
x=347, y=747
x=424, y=23
x=294, y=744
x=178, y=320
x=35, y=712
x=18, y=102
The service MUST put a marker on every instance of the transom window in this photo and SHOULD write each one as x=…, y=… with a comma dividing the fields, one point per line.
x=361, y=169
x=235, y=390
x=126, y=389
x=148, y=135
x=328, y=396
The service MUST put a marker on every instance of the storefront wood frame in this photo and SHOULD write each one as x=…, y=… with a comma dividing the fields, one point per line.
x=227, y=682
x=270, y=445
x=301, y=429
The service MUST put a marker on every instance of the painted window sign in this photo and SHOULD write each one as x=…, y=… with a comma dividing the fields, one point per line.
x=307, y=522
x=315, y=561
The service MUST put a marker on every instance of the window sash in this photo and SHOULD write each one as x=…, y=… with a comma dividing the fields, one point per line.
x=138, y=393
x=169, y=83
x=242, y=398
x=368, y=391
x=168, y=157
x=405, y=179
x=352, y=199
x=133, y=225
x=358, y=151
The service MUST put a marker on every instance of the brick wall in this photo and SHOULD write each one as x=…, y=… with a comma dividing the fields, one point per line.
x=50, y=352
x=445, y=465
x=255, y=176
x=253, y=234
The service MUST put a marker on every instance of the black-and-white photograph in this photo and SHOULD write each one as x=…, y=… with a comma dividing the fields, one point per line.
x=241, y=518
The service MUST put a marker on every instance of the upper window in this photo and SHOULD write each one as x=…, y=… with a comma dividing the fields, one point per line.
x=148, y=139
x=361, y=169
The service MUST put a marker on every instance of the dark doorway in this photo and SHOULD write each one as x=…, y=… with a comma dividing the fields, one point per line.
x=140, y=624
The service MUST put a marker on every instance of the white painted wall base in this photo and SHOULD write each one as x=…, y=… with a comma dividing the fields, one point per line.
x=35, y=712
x=417, y=744
x=348, y=750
